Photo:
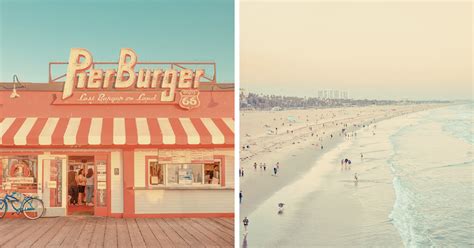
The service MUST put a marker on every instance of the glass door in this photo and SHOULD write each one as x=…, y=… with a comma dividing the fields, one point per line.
x=52, y=187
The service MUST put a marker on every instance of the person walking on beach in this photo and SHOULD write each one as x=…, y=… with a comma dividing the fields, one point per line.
x=246, y=223
x=275, y=170
x=241, y=196
x=264, y=166
x=255, y=165
x=242, y=169
x=261, y=166
x=356, y=178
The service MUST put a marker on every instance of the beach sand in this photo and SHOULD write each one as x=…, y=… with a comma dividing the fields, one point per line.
x=337, y=211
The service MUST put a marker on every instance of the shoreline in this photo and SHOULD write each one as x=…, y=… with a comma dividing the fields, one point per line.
x=262, y=186
x=302, y=145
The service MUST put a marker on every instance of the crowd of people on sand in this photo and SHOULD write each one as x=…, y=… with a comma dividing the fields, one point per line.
x=81, y=187
x=347, y=132
x=346, y=165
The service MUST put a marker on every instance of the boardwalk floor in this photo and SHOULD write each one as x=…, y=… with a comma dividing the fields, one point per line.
x=111, y=232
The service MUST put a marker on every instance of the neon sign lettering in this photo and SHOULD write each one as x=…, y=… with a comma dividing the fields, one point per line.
x=81, y=74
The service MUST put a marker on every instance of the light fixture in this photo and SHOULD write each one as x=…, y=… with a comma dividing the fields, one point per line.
x=15, y=94
x=212, y=103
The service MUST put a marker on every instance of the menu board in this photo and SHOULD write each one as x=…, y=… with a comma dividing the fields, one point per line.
x=101, y=177
x=101, y=169
x=207, y=155
x=101, y=185
x=196, y=154
x=179, y=156
x=165, y=153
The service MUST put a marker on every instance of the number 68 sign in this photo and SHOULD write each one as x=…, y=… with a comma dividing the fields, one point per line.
x=189, y=99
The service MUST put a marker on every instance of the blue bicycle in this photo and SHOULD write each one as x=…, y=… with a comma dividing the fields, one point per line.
x=31, y=207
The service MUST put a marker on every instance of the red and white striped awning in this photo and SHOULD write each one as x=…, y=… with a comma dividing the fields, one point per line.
x=116, y=131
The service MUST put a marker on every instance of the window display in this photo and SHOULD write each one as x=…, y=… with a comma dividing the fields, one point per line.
x=156, y=173
x=19, y=173
x=212, y=172
x=183, y=174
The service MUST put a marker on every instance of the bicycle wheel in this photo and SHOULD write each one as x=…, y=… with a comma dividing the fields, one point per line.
x=3, y=208
x=33, y=208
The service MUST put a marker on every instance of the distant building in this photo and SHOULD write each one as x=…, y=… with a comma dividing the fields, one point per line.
x=332, y=94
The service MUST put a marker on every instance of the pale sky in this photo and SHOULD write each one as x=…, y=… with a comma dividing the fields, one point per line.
x=372, y=49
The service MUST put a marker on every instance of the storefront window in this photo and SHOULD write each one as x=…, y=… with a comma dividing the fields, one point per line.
x=19, y=173
x=212, y=173
x=184, y=174
x=156, y=173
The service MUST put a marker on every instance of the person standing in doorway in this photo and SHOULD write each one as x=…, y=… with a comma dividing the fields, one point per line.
x=89, y=186
x=81, y=185
x=71, y=180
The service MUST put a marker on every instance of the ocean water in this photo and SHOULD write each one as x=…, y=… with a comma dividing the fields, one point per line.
x=433, y=171
x=415, y=189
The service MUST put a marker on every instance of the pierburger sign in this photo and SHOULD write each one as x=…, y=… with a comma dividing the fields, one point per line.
x=85, y=84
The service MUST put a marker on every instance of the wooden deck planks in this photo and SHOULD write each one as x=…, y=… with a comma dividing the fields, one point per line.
x=224, y=223
x=70, y=226
x=30, y=238
x=123, y=237
x=176, y=239
x=208, y=242
x=110, y=238
x=147, y=234
x=208, y=232
x=223, y=231
x=135, y=235
x=192, y=241
x=14, y=231
x=51, y=233
x=86, y=235
x=98, y=235
x=160, y=235
x=79, y=231
x=72, y=238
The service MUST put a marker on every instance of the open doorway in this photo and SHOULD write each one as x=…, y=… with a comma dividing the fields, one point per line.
x=80, y=196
